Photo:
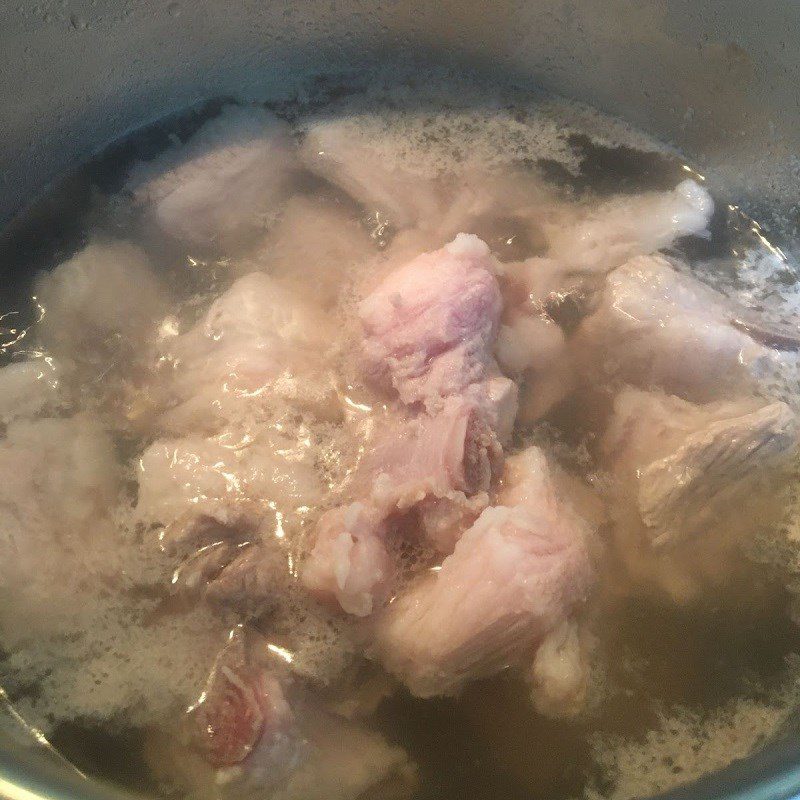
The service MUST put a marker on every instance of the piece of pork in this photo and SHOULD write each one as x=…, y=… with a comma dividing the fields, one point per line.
x=559, y=675
x=350, y=561
x=443, y=520
x=438, y=465
x=225, y=182
x=337, y=150
x=497, y=397
x=432, y=455
x=242, y=709
x=516, y=574
x=347, y=761
x=29, y=388
x=258, y=340
x=610, y=233
x=99, y=306
x=533, y=349
x=656, y=326
x=695, y=469
x=230, y=552
x=529, y=476
x=430, y=325
x=60, y=480
x=191, y=473
x=313, y=247
x=252, y=734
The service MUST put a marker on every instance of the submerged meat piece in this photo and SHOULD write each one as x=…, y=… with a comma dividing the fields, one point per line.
x=518, y=572
x=559, y=674
x=336, y=150
x=612, y=232
x=656, y=326
x=693, y=469
x=528, y=342
x=498, y=399
x=60, y=480
x=27, y=388
x=223, y=183
x=192, y=473
x=254, y=735
x=534, y=350
x=258, y=340
x=250, y=580
x=99, y=305
x=430, y=325
x=433, y=455
x=229, y=551
x=313, y=248
x=347, y=761
x=350, y=561
x=432, y=464
x=241, y=708
x=530, y=477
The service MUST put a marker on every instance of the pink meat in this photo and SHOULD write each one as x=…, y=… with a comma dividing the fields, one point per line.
x=240, y=707
x=514, y=575
x=434, y=463
x=349, y=562
x=429, y=327
x=434, y=455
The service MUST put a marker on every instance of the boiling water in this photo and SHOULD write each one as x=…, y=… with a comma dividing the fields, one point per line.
x=676, y=690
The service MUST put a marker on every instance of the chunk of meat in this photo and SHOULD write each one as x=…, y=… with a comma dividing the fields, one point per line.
x=60, y=480
x=252, y=734
x=559, y=675
x=656, y=326
x=350, y=561
x=337, y=150
x=193, y=473
x=430, y=325
x=527, y=480
x=433, y=463
x=28, y=388
x=228, y=520
x=221, y=184
x=229, y=551
x=251, y=580
x=528, y=342
x=347, y=761
x=100, y=305
x=612, y=232
x=693, y=469
x=534, y=350
x=313, y=247
x=433, y=455
x=242, y=707
x=514, y=575
x=257, y=341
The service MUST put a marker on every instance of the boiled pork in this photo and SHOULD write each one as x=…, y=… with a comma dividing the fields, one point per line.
x=517, y=573
x=613, y=232
x=350, y=561
x=223, y=183
x=430, y=325
x=692, y=469
x=656, y=326
x=258, y=340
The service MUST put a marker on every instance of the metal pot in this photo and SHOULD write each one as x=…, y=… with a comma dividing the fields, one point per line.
x=720, y=81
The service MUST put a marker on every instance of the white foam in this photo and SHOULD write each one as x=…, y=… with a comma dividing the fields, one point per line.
x=687, y=744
